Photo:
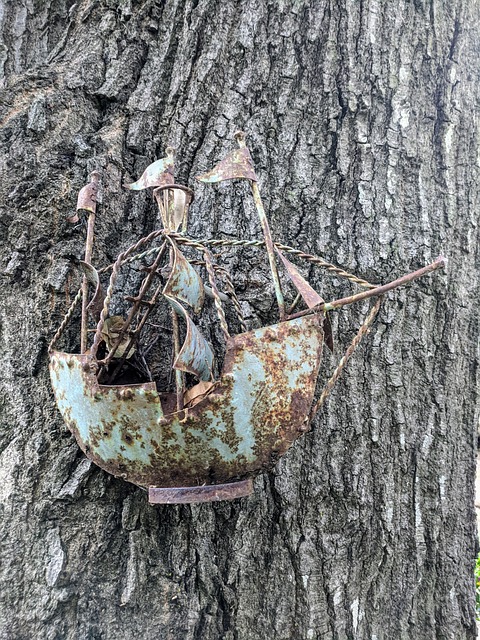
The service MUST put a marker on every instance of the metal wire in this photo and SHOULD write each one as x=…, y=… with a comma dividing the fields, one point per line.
x=66, y=319
x=216, y=294
x=364, y=329
x=230, y=288
x=191, y=242
x=113, y=278
x=200, y=245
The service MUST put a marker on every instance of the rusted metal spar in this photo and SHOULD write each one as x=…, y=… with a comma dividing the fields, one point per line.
x=240, y=138
x=205, y=493
x=87, y=200
x=439, y=263
x=179, y=375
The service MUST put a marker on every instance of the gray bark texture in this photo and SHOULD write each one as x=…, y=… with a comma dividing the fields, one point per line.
x=362, y=118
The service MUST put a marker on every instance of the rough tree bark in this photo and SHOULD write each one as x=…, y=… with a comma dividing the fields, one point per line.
x=361, y=120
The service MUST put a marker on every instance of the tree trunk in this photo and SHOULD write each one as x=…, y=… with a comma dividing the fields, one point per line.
x=361, y=121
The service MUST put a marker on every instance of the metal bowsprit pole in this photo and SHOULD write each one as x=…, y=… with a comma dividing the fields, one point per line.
x=438, y=263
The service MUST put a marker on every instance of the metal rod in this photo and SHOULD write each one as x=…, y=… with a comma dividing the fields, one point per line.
x=439, y=263
x=364, y=329
x=240, y=138
x=94, y=178
x=179, y=379
x=294, y=303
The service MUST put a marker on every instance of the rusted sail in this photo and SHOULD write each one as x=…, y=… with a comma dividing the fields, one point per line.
x=95, y=305
x=157, y=174
x=309, y=295
x=195, y=355
x=237, y=164
x=184, y=285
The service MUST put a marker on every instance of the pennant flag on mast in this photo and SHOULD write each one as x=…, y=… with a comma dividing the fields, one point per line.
x=238, y=164
x=309, y=295
x=158, y=174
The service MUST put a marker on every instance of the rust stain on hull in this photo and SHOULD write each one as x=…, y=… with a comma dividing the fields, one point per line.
x=253, y=414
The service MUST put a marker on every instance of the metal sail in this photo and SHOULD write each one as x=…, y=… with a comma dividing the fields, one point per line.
x=309, y=295
x=157, y=174
x=195, y=355
x=184, y=285
x=95, y=305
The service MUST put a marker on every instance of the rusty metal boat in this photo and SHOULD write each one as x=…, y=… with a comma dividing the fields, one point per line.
x=205, y=439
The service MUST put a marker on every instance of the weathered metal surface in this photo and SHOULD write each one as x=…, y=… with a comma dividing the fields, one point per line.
x=87, y=196
x=173, y=203
x=95, y=305
x=237, y=164
x=205, y=493
x=195, y=355
x=309, y=295
x=157, y=174
x=253, y=414
x=184, y=283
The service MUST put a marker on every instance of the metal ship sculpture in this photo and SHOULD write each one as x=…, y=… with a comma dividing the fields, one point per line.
x=205, y=437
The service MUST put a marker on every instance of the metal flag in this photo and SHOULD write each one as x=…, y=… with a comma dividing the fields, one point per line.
x=158, y=174
x=87, y=197
x=238, y=164
x=185, y=285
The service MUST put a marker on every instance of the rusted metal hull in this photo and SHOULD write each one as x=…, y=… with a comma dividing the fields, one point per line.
x=248, y=420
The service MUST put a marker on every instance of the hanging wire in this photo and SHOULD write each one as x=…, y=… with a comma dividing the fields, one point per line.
x=66, y=319
x=362, y=332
